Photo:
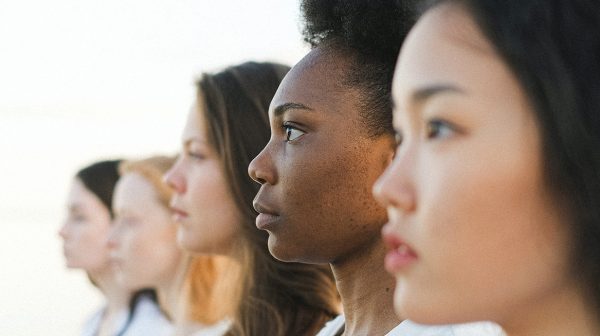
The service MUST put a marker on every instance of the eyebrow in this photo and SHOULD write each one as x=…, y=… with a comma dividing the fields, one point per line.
x=422, y=94
x=281, y=109
x=187, y=142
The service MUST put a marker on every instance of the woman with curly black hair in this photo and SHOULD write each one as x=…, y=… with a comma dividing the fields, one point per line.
x=331, y=137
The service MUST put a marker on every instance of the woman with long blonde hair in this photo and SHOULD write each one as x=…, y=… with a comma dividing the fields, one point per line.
x=146, y=255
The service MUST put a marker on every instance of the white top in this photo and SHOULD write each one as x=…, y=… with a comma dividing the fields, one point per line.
x=92, y=325
x=147, y=320
x=407, y=328
x=217, y=329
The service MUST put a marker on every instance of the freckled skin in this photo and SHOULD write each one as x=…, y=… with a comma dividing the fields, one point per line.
x=320, y=184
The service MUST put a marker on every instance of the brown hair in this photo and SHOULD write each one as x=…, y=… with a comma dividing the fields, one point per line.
x=198, y=302
x=272, y=297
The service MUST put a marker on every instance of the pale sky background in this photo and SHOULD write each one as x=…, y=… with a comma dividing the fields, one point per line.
x=82, y=80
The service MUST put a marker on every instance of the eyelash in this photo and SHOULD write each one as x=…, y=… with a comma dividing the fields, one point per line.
x=288, y=129
x=194, y=155
x=435, y=127
x=433, y=130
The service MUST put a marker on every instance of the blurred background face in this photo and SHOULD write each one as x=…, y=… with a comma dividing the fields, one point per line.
x=143, y=242
x=317, y=170
x=203, y=206
x=473, y=231
x=85, y=230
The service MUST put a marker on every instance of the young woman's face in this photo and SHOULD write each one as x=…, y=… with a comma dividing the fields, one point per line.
x=143, y=240
x=203, y=206
x=473, y=232
x=319, y=166
x=85, y=230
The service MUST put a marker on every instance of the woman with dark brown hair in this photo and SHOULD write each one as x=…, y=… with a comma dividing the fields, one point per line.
x=227, y=127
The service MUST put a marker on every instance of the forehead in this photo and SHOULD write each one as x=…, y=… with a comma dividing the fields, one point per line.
x=316, y=80
x=445, y=45
x=133, y=188
x=194, y=126
x=81, y=196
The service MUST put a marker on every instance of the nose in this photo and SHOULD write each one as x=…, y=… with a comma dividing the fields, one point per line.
x=112, y=240
x=261, y=169
x=174, y=177
x=395, y=188
x=63, y=231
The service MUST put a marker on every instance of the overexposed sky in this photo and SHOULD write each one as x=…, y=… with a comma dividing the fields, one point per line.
x=82, y=80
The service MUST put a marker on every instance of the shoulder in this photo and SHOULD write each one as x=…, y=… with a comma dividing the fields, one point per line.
x=333, y=327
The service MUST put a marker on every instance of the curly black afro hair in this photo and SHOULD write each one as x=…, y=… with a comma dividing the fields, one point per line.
x=371, y=32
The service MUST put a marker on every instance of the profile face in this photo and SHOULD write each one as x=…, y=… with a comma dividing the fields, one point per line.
x=85, y=230
x=143, y=240
x=319, y=166
x=203, y=206
x=473, y=231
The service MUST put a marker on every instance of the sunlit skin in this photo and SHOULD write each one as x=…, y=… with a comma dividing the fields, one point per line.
x=203, y=205
x=143, y=242
x=316, y=175
x=85, y=230
x=473, y=232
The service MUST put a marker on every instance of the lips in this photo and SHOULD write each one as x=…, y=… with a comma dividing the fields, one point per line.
x=400, y=255
x=267, y=217
x=178, y=214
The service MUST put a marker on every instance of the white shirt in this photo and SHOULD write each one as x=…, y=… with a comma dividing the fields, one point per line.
x=217, y=329
x=147, y=320
x=408, y=328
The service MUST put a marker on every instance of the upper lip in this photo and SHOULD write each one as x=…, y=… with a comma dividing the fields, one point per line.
x=262, y=208
x=177, y=210
x=393, y=241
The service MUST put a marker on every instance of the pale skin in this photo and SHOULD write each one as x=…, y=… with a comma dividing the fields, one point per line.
x=84, y=233
x=203, y=207
x=466, y=195
x=316, y=174
x=144, y=231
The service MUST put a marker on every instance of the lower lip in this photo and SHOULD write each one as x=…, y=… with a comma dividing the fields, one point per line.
x=179, y=217
x=396, y=261
x=265, y=221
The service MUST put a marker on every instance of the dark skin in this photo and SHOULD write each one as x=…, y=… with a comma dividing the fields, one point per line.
x=317, y=172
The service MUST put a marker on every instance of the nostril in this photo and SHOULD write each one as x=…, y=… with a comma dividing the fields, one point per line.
x=259, y=180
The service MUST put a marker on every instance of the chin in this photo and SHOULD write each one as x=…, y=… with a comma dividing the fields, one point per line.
x=291, y=252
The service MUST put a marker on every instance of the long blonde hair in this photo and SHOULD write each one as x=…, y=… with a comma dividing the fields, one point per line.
x=197, y=301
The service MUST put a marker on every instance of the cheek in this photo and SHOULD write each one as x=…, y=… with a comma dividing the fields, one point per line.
x=482, y=221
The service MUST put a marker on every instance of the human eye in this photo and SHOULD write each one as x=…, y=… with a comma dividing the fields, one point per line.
x=440, y=129
x=77, y=217
x=197, y=155
x=292, y=133
x=194, y=151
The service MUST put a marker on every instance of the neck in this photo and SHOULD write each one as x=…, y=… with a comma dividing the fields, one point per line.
x=117, y=297
x=169, y=291
x=564, y=312
x=366, y=290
